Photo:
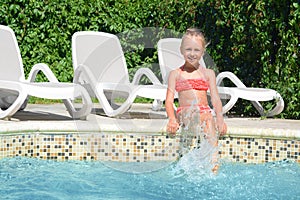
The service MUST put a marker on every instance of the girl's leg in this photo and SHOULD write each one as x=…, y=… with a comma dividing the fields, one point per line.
x=212, y=138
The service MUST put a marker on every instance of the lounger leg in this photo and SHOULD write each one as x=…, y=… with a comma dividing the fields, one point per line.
x=157, y=105
x=86, y=105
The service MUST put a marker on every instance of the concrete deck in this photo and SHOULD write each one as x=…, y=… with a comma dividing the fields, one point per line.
x=139, y=119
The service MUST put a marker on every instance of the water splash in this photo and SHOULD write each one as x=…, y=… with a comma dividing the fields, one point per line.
x=196, y=165
x=198, y=151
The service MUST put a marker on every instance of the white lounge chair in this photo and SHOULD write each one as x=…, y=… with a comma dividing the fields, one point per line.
x=100, y=65
x=170, y=58
x=15, y=89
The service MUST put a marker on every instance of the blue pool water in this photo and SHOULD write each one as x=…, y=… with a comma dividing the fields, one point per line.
x=29, y=178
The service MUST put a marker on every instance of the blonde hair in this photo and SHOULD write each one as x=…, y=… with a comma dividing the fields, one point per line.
x=195, y=32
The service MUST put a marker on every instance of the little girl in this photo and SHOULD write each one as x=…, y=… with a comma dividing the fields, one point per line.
x=192, y=81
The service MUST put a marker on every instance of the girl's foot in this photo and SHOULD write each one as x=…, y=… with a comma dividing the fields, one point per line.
x=215, y=169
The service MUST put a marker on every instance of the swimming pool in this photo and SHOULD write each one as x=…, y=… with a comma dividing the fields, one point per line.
x=31, y=178
x=143, y=166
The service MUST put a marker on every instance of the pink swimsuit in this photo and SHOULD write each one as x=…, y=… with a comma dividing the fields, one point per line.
x=192, y=84
x=202, y=109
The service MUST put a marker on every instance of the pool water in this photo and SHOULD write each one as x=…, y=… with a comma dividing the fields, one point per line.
x=30, y=178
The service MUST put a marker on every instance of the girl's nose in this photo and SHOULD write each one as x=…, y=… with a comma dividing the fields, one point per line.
x=193, y=53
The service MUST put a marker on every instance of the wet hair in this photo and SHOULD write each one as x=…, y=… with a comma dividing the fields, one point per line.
x=197, y=33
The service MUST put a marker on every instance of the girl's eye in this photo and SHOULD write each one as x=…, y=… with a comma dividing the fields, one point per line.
x=196, y=50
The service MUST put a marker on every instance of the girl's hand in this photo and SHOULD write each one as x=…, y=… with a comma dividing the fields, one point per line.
x=172, y=126
x=222, y=128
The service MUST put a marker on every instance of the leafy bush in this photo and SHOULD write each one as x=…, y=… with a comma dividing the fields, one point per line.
x=257, y=40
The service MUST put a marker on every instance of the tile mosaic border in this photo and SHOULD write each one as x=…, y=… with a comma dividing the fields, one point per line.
x=139, y=148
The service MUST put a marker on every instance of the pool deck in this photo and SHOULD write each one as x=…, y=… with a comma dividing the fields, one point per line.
x=139, y=119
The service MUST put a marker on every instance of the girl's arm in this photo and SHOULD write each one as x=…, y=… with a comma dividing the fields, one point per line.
x=169, y=103
x=216, y=102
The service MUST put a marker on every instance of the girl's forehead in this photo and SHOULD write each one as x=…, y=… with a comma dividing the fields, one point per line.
x=192, y=41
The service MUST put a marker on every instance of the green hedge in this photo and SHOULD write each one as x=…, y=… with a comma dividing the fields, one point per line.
x=257, y=40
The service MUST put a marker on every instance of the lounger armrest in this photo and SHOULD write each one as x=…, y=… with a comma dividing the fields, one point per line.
x=231, y=76
x=148, y=73
x=45, y=69
x=89, y=77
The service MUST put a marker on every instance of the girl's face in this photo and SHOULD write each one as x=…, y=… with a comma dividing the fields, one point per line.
x=192, y=50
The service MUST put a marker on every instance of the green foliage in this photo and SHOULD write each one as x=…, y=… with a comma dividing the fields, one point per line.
x=257, y=40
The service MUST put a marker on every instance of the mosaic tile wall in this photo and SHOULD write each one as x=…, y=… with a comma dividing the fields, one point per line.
x=139, y=148
x=259, y=150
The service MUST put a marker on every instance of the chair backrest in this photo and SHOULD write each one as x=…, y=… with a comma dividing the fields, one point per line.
x=11, y=66
x=170, y=57
x=102, y=54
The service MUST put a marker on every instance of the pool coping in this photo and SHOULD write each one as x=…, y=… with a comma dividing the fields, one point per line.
x=53, y=118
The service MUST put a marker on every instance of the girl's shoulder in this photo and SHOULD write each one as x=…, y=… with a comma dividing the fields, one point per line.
x=209, y=74
x=176, y=71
